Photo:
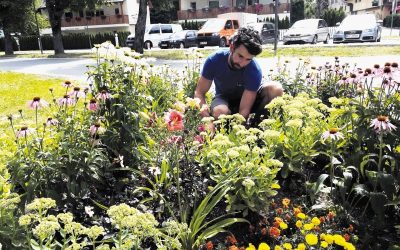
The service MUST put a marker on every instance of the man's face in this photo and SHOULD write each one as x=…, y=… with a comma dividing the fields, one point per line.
x=239, y=57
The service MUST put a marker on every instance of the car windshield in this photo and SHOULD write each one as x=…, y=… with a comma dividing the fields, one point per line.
x=358, y=22
x=214, y=23
x=179, y=34
x=301, y=24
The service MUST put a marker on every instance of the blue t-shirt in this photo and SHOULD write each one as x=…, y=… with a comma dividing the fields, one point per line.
x=229, y=83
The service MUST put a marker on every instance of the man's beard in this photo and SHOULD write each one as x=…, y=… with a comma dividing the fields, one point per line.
x=233, y=65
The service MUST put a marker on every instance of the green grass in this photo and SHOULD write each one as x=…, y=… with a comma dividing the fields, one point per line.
x=16, y=90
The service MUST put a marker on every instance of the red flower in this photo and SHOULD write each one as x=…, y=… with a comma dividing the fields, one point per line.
x=263, y=231
x=350, y=229
x=274, y=232
x=209, y=245
x=346, y=237
x=174, y=120
x=279, y=210
x=230, y=239
x=322, y=219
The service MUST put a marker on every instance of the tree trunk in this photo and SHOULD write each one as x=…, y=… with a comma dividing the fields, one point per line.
x=140, y=26
x=55, y=14
x=8, y=42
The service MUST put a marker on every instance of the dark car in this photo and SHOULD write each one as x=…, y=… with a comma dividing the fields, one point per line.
x=180, y=39
x=266, y=30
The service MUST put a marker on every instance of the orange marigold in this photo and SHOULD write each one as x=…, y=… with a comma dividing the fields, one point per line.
x=233, y=248
x=322, y=219
x=230, y=239
x=274, y=232
x=296, y=210
x=209, y=245
x=279, y=211
x=285, y=202
x=264, y=231
x=331, y=215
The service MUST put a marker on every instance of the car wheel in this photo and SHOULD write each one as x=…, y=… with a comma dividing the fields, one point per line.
x=222, y=43
x=181, y=45
x=200, y=46
x=327, y=39
x=147, y=45
x=378, y=39
x=314, y=40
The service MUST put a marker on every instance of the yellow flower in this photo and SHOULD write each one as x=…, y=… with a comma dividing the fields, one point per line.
x=329, y=238
x=324, y=244
x=301, y=246
x=275, y=186
x=349, y=246
x=283, y=225
x=251, y=247
x=315, y=221
x=263, y=246
x=311, y=239
x=301, y=216
x=287, y=246
x=277, y=248
x=322, y=236
x=299, y=224
x=339, y=240
x=308, y=226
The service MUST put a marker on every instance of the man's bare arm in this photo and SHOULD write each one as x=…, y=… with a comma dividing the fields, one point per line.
x=202, y=88
x=246, y=103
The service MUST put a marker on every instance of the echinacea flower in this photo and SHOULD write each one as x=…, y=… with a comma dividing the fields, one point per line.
x=92, y=106
x=51, y=122
x=382, y=124
x=67, y=84
x=103, y=95
x=37, y=103
x=96, y=129
x=174, y=120
x=23, y=132
x=65, y=101
x=332, y=133
x=77, y=93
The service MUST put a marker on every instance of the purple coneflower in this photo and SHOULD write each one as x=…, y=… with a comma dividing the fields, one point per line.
x=76, y=93
x=103, y=95
x=332, y=133
x=51, y=122
x=23, y=132
x=382, y=124
x=92, y=106
x=37, y=103
x=96, y=129
x=67, y=84
x=65, y=101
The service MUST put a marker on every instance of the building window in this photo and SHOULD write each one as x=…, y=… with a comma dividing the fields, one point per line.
x=81, y=13
x=193, y=5
x=89, y=13
x=68, y=15
x=116, y=11
x=213, y=4
x=99, y=12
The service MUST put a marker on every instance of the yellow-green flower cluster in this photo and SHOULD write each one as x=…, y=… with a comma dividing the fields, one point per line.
x=41, y=205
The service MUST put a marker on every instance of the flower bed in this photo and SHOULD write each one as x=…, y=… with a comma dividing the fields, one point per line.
x=138, y=167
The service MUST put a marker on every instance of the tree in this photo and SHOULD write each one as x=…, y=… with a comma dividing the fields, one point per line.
x=321, y=7
x=164, y=11
x=333, y=16
x=12, y=20
x=309, y=9
x=55, y=10
x=297, y=11
x=140, y=26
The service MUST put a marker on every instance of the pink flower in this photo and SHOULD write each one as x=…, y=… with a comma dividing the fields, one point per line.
x=37, y=103
x=96, y=129
x=51, y=122
x=174, y=120
x=66, y=100
x=76, y=93
x=23, y=132
x=92, y=106
x=103, y=95
x=199, y=139
x=67, y=84
x=382, y=124
x=175, y=139
x=333, y=134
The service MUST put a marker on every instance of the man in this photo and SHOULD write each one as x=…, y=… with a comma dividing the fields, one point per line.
x=237, y=78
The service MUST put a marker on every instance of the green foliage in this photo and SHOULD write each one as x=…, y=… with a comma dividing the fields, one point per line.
x=387, y=21
x=333, y=16
x=297, y=11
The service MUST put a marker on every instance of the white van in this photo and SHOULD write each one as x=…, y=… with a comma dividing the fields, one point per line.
x=154, y=33
x=1, y=34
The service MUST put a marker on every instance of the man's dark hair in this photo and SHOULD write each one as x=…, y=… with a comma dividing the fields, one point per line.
x=250, y=38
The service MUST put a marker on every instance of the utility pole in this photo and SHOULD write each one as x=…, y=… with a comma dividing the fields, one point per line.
x=37, y=28
x=394, y=7
x=276, y=2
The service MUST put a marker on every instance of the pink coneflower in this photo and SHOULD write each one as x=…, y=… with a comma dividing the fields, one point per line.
x=382, y=124
x=23, y=132
x=51, y=122
x=96, y=129
x=332, y=133
x=199, y=139
x=76, y=93
x=67, y=84
x=65, y=101
x=92, y=106
x=103, y=95
x=174, y=120
x=37, y=103
x=175, y=139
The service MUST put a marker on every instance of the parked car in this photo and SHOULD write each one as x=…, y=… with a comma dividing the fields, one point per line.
x=266, y=30
x=180, y=39
x=307, y=31
x=154, y=33
x=358, y=28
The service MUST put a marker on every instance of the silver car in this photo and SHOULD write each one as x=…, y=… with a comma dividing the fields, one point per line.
x=307, y=31
x=358, y=28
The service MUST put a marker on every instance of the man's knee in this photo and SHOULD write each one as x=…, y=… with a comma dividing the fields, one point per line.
x=220, y=110
x=271, y=90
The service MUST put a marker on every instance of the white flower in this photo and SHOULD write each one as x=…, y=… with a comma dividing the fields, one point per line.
x=332, y=133
x=382, y=124
x=89, y=211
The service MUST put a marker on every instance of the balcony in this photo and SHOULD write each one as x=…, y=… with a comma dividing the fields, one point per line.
x=260, y=9
x=96, y=20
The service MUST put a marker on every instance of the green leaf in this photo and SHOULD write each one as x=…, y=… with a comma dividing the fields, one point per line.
x=378, y=202
x=387, y=183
